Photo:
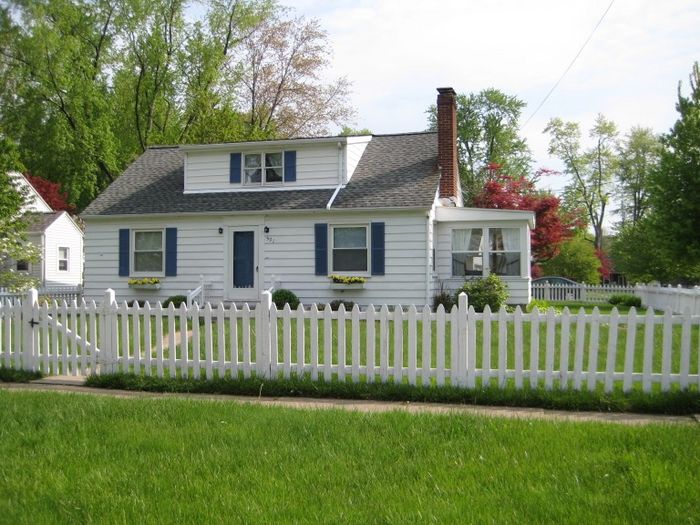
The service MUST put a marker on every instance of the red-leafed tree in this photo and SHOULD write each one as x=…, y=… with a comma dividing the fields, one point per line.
x=553, y=225
x=606, y=266
x=51, y=193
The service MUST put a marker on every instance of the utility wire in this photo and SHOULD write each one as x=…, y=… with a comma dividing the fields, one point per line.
x=570, y=65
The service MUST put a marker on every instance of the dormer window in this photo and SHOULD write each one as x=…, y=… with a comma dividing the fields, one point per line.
x=269, y=164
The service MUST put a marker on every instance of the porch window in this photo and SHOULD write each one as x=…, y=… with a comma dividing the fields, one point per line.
x=148, y=251
x=349, y=249
x=22, y=266
x=63, y=256
x=504, y=258
x=261, y=168
x=467, y=252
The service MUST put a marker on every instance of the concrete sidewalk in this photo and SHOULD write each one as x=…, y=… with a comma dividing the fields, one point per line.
x=69, y=384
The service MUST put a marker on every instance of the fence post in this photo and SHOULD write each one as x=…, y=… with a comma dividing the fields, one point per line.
x=29, y=337
x=107, y=322
x=263, y=339
x=462, y=339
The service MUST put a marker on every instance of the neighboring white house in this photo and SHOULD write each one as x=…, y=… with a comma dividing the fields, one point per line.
x=58, y=237
x=291, y=213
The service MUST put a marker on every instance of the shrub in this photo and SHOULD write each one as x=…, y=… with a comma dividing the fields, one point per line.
x=283, y=296
x=541, y=305
x=176, y=301
x=624, y=299
x=445, y=299
x=335, y=304
x=491, y=291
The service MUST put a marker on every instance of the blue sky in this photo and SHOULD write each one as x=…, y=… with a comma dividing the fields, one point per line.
x=397, y=52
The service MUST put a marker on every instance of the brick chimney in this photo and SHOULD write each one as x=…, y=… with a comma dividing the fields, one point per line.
x=447, y=143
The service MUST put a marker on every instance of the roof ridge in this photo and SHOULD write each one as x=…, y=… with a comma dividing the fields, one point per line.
x=404, y=133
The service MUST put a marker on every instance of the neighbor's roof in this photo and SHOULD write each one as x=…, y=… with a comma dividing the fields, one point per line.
x=39, y=222
x=395, y=171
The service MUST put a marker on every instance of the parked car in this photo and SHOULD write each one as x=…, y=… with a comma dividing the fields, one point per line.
x=561, y=289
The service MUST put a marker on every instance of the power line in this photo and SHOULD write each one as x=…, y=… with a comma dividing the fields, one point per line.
x=570, y=65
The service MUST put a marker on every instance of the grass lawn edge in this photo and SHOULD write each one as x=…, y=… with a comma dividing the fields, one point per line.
x=677, y=402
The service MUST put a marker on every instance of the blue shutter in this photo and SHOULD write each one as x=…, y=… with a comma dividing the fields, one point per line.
x=124, y=253
x=377, y=248
x=321, y=236
x=290, y=166
x=170, y=252
x=235, y=168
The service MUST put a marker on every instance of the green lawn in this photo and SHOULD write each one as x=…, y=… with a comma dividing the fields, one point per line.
x=80, y=459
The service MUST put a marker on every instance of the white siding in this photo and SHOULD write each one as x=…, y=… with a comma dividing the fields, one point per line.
x=317, y=165
x=286, y=252
x=33, y=201
x=63, y=233
x=355, y=148
x=518, y=287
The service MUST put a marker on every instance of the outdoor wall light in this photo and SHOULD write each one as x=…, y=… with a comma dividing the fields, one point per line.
x=266, y=229
x=221, y=230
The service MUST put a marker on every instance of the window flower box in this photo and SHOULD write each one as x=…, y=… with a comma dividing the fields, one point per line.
x=345, y=282
x=146, y=283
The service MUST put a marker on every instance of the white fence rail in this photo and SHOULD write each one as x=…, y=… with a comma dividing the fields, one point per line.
x=416, y=346
x=583, y=293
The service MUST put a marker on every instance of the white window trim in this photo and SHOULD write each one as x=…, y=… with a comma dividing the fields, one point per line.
x=262, y=182
x=132, y=250
x=358, y=273
x=67, y=259
x=486, y=253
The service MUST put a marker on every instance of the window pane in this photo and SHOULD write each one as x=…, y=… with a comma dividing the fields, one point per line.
x=148, y=240
x=22, y=266
x=350, y=260
x=148, y=261
x=505, y=239
x=63, y=265
x=253, y=176
x=252, y=161
x=467, y=264
x=273, y=160
x=505, y=263
x=63, y=253
x=350, y=237
x=468, y=240
x=273, y=175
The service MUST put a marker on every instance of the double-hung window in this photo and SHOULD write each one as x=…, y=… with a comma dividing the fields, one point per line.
x=22, y=266
x=263, y=168
x=504, y=257
x=349, y=249
x=467, y=252
x=148, y=251
x=63, y=256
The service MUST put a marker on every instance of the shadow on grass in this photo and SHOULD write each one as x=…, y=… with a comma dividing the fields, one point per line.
x=677, y=402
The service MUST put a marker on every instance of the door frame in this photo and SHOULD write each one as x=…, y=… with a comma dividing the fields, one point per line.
x=243, y=294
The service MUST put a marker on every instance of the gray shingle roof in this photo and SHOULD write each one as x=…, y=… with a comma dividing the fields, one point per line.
x=394, y=171
x=38, y=222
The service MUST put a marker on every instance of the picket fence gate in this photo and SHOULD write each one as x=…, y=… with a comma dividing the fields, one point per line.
x=458, y=347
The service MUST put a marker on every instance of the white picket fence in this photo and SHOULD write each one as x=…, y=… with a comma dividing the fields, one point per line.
x=58, y=293
x=583, y=293
x=677, y=298
x=420, y=347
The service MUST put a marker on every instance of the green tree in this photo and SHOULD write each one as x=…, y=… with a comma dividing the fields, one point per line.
x=639, y=157
x=675, y=215
x=638, y=254
x=347, y=131
x=576, y=260
x=489, y=134
x=13, y=223
x=591, y=170
x=86, y=86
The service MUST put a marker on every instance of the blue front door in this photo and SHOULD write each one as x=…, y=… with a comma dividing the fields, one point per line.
x=244, y=259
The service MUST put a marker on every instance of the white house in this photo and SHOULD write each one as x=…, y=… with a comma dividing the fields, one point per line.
x=294, y=212
x=58, y=237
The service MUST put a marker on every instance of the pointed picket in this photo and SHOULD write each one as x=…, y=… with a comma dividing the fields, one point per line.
x=301, y=340
x=502, y=346
x=286, y=341
x=355, y=317
x=327, y=341
x=412, y=345
x=245, y=326
x=610, y=359
x=667, y=350
x=648, y=350
x=685, y=350
x=384, y=343
x=172, y=348
x=440, y=345
x=426, y=348
x=233, y=340
x=398, y=344
x=518, y=346
x=549, y=350
x=486, y=347
x=342, y=359
x=630, y=341
x=220, y=339
x=564, y=349
x=184, y=340
x=371, y=346
x=578, y=352
x=313, y=327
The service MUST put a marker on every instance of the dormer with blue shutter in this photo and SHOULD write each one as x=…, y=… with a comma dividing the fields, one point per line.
x=314, y=163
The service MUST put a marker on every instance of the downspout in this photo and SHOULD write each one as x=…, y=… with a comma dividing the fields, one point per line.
x=340, y=176
x=427, y=260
